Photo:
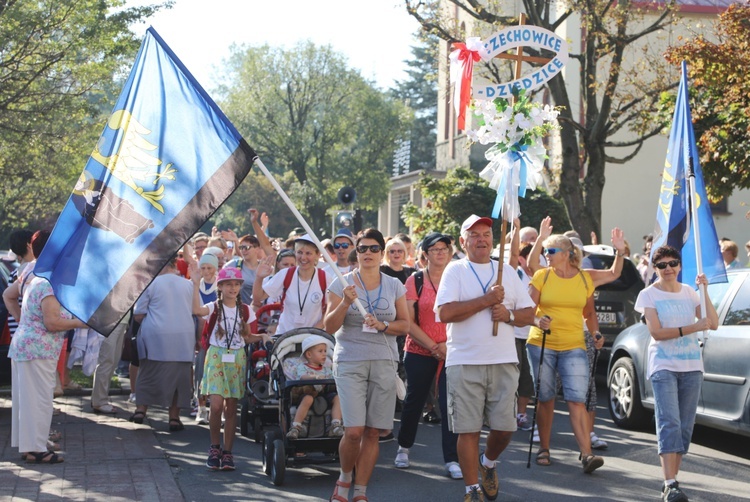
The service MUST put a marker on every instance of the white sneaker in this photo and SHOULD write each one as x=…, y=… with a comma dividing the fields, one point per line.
x=131, y=398
x=454, y=470
x=597, y=443
x=201, y=418
x=536, y=435
x=402, y=458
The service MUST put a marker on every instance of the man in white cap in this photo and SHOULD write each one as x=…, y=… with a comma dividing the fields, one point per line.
x=481, y=369
x=343, y=243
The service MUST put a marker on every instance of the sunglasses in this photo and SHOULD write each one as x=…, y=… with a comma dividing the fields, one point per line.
x=395, y=251
x=245, y=248
x=341, y=245
x=375, y=248
x=664, y=264
x=438, y=250
x=552, y=251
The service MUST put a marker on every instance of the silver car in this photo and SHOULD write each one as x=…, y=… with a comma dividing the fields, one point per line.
x=725, y=395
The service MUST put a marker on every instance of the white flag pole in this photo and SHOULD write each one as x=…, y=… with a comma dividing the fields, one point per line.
x=696, y=231
x=307, y=228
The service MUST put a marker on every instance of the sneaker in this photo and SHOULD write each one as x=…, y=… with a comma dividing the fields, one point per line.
x=131, y=398
x=598, y=443
x=337, y=429
x=227, y=461
x=591, y=463
x=488, y=480
x=672, y=493
x=402, y=458
x=296, y=431
x=202, y=417
x=431, y=417
x=536, y=435
x=194, y=411
x=474, y=495
x=386, y=438
x=454, y=470
x=214, y=458
x=522, y=421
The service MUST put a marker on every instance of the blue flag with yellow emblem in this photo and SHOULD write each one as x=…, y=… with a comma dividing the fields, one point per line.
x=674, y=225
x=167, y=159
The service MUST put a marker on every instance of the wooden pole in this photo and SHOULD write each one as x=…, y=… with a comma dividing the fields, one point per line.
x=504, y=224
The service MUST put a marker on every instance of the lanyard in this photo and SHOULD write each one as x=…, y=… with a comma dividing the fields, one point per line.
x=230, y=336
x=492, y=276
x=300, y=301
x=370, y=305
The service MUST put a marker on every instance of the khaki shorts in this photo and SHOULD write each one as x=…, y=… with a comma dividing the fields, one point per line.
x=482, y=394
x=367, y=393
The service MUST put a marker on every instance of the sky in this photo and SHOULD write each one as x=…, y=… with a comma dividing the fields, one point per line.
x=375, y=35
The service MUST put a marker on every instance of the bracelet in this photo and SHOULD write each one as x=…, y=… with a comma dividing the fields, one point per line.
x=680, y=330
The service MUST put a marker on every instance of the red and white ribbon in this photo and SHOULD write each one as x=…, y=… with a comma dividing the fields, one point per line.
x=462, y=69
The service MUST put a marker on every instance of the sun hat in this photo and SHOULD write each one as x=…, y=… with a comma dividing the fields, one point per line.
x=433, y=238
x=313, y=340
x=229, y=274
x=473, y=220
x=209, y=259
x=306, y=239
x=213, y=250
x=344, y=232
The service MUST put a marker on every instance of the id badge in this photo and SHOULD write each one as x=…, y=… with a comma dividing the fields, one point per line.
x=227, y=358
x=368, y=329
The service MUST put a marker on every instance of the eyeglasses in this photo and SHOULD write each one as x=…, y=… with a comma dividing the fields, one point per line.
x=664, y=264
x=552, y=251
x=395, y=251
x=341, y=245
x=438, y=250
x=375, y=248
x=245, y=248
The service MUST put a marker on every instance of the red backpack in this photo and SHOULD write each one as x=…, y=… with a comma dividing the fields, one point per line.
x=288, y=281
x=208, y=328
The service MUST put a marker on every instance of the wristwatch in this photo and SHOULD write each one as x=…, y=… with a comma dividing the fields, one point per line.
x=512, y=317
x=385, y=323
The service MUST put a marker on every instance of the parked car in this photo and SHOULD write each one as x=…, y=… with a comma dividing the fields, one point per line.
x=614, y=302
x=725, y=395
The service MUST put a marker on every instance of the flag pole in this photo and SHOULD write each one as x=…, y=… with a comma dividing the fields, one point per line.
x=307, y=228
x=692, y=197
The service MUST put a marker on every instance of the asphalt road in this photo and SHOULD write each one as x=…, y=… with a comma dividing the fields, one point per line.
x=715, y=470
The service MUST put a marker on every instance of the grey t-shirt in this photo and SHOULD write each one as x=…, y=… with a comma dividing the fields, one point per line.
x=352, y=344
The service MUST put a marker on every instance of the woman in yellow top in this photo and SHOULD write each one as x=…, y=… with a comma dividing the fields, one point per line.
x=564, y=297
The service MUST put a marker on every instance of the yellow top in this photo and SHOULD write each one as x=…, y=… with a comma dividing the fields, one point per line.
x=563, y=301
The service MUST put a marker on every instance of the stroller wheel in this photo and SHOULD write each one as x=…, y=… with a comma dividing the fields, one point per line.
x=278, y=469
x=245, y=418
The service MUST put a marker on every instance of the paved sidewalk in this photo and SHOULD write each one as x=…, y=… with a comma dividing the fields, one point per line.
x=106, y=457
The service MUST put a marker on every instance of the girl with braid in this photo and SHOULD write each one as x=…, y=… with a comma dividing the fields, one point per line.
x=228, y=330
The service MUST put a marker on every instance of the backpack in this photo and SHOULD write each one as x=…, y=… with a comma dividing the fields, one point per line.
x=208, y=328
x=288, y=282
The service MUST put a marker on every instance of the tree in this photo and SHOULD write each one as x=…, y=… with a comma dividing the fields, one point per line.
x=304, y=111
x=463, y=193
x=60, y=66
x=720, y=100
x=615, y=95
x=419, y=91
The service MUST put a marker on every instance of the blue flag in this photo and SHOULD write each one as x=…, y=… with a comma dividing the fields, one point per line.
x=674, y=225
x=167, y=159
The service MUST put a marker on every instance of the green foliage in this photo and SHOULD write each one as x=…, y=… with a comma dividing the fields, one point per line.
x=463, y=193
x=306, y=113
x=60, y=67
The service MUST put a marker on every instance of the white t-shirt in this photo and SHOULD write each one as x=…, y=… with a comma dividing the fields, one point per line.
x=231, y=324
x=471, y=341
x=303, y=303
x=330, y=273
x=679, y=354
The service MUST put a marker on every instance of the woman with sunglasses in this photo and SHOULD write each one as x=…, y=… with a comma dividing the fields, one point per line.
x=365, y=360
x=425, y=354
x=395, y=260
x=564, y=297
x=675, y=366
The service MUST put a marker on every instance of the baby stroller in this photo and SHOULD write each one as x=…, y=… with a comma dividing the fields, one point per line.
x=317, y=447
x=259, y=406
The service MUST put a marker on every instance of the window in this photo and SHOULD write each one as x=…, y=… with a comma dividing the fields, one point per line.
x=739, y=311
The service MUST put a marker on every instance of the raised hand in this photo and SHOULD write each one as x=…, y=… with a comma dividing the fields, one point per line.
x=253, y=214
x=545, y=228
x=618, y=240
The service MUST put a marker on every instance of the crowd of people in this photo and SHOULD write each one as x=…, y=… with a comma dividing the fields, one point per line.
x=474, y=338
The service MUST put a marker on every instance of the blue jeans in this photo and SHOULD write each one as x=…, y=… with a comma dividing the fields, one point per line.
x=571, y=365
x=676, y=396
x=420, y=375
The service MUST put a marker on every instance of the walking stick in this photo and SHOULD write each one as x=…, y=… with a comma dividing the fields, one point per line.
x=545, y=332
x=593, y=375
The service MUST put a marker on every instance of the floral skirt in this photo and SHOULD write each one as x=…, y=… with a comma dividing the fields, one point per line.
x=221, y=378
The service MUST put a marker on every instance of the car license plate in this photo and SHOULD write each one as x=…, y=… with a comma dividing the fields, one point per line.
x=606, y=317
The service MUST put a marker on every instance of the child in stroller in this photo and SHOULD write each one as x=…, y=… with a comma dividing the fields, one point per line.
x=311, y=365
